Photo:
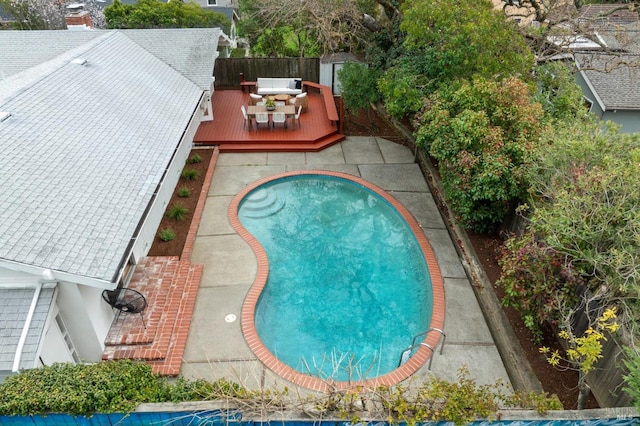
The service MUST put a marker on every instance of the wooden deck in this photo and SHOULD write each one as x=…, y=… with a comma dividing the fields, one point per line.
x=227, y=130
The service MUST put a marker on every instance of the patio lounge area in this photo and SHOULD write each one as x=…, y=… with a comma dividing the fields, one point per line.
x=313, y=132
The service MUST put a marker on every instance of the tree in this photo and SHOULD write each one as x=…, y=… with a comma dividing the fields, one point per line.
x=311, y=27
x=47, y=14
x=465, y=39
x=358, y=85
x=481, y=133
x=583, y=352
x=157, y=14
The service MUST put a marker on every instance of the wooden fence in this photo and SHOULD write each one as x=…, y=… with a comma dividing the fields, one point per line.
x=227, y=70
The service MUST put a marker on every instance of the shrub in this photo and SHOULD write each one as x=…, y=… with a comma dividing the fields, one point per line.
x=190, y=174
x=536, y=280
x=194, y=159
x=482, y=134
x=167, y=234
x=105, y=387
x=79, y=389
x=184, y=192
x=177, y=212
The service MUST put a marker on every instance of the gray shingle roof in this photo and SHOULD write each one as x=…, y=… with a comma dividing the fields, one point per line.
x=619, y=86
x=13, y=314
x=87, y=145
x=599, y=15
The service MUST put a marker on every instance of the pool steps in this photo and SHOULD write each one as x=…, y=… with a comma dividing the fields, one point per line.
x=263, y=203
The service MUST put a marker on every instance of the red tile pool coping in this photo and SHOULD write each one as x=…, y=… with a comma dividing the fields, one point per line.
x=249, y=307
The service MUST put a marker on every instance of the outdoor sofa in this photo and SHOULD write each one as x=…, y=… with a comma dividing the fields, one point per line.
x=278, y=86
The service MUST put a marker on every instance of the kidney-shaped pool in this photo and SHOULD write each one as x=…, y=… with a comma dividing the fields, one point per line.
x=346, y=279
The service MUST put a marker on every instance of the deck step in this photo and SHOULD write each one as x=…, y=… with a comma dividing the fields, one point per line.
x=266, y=146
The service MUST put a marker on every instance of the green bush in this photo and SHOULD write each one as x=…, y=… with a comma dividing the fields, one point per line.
x=184, y=192
x=167, y=234
x=482, y=135
x=194, y=159
x=177, y=212
x=105, y=387
x=80, y=389
x=238, y=52
x=190, y=174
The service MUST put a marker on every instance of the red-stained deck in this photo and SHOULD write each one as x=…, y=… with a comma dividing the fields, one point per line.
x=227, y=130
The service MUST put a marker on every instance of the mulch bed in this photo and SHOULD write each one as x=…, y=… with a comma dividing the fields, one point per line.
x=181, y=228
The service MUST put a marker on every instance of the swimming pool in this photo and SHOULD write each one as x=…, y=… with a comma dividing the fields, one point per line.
x=346, y=279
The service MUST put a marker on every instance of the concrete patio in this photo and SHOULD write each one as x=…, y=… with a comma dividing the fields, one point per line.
x=215, y=345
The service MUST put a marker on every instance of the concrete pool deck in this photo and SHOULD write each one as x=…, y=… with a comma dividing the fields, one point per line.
x=215, y=345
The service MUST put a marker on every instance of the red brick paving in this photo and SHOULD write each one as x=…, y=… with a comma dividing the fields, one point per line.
x=170, y=285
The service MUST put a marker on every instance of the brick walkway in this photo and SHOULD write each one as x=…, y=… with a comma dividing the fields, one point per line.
x=170, y=285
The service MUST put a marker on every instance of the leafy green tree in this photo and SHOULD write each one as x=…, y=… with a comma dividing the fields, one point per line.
x=558, y=92
x=583, y=227
x=464, y=39
x=158, y=14
x=481, y=133
x=358, y=85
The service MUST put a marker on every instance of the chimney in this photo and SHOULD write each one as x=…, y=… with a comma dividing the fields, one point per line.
x=77, y=18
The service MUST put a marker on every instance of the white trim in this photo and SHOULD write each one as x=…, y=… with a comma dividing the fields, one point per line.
x=59, y=275
x=593, y=90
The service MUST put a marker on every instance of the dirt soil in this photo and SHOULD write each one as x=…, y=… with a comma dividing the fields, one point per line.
x=487, y=247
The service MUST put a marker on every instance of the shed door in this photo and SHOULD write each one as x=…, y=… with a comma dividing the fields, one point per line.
x=335, y=83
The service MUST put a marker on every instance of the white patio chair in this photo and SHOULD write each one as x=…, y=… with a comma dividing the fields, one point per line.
x=244, y=114
x=297, y=116
x=254, y=99
x=262, y=117
x=279, y=117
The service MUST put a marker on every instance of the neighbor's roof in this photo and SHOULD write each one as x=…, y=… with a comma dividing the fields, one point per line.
x=13, y=316
x=613, y=81
x=599, y=15
x=87, y=143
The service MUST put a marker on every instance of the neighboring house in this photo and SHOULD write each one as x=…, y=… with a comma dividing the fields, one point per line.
x=229, y=8
x=609, y=66
x=95, y=127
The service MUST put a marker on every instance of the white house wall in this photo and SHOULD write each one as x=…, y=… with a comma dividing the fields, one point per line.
x=81, y=311
x=54, y=348
x=165, y=191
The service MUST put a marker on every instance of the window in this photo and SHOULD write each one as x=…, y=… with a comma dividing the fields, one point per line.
x=212, y=2
x=67, y=339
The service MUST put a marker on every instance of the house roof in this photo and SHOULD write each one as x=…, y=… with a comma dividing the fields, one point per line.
x=93, y=126
x=14, y=316
x=613, y=81
x=599, y=15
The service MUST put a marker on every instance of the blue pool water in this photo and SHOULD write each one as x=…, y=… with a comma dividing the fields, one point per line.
x=348, y=284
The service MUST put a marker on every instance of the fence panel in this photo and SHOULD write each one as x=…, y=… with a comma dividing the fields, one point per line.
x=227, y=70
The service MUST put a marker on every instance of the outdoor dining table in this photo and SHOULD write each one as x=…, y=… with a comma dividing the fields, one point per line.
x=289, y=111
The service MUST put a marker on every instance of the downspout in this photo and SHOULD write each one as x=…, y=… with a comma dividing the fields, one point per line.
x=25, y=328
